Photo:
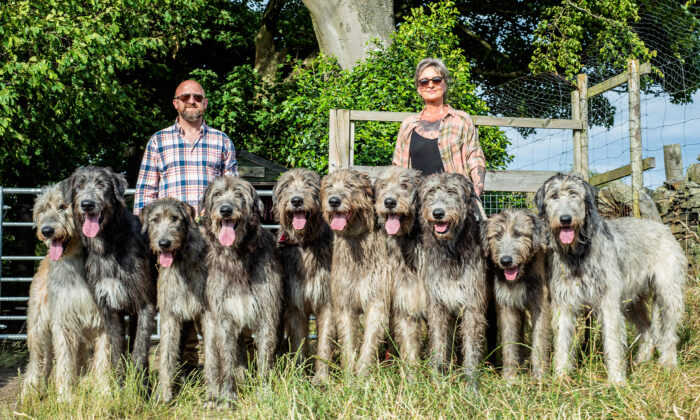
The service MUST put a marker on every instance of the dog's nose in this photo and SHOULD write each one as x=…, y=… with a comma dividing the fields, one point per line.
x=47, y=231
x=506, y=261
x=87, y=205
x=565, y=219
x=390, y=203
x=334, y=202
x=164, y=243
x=297, y=201
x=226, y=211
x=438, y=214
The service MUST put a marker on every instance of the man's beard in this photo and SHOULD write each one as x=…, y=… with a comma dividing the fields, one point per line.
x=191, y=114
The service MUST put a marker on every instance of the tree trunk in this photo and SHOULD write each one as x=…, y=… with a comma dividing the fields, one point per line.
x=345, y=28
x=267, y=55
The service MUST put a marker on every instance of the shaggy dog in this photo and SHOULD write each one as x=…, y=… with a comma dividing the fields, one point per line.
x=454, y=270
x=516, y=241
x=611, y=266
x=359, y=280
x=182, y=275
x=244, y=287
x=62, y=319
x=116, y=258
x=306, y=263
x=396, y=206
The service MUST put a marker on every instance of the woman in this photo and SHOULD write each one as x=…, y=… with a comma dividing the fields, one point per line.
x=440, y=138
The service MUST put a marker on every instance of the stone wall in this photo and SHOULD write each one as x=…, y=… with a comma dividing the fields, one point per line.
x=678, y=203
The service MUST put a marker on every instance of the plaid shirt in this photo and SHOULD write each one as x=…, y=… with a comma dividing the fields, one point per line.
x=172, y=167
x=458, y=143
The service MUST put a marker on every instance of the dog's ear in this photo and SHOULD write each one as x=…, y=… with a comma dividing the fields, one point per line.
x=591, y=198
x=204, y=201
x=257, y=204
x=539, y=200
x=189, y=213
x=119, y=185
x=143, y=217
x=539, y=233
x=367, y=187
x=483, y=236
x=67, y=189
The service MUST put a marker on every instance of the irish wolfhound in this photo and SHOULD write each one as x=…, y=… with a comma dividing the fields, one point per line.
x=454, y=270
x=610, y=266
x=116, y=260
x=182, y=275
x=516, y=241
x=359, y=280
x=244, y=286
x=306, y=264
x=396, y=205
x=62, y=319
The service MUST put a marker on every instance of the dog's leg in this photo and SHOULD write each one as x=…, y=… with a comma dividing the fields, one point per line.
x=324, y=331
x=438, y=327
x=66, y=349
x=376, y=325
x=142, y=344
x=407, y=335
x=298, y=330
x=170, y=328
x=212, y=360
x=265, y=343
x=614, y=339
x=230, y=355
x=101, y=361
x=668, y=309
x=636, y=313
x=563, y=324
x=511, y=325
x=115, y=332
x=347, y=327
x=40, y=356
x=473, y=329
x=541, y=335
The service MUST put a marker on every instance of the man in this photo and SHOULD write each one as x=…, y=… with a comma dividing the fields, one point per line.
x=179, y=162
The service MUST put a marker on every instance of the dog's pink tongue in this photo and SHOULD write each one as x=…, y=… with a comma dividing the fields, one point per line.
x=299, y=220
x=227, y=234
x=566, y=235
x=166, y=259
x=91, y=225
x=393, y=224
x=339, y=221
x=511, y=273
x=56, y=250
x=441, y=227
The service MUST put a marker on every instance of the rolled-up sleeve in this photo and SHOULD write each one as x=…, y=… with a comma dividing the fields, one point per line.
x=230, y=162
x=149, y=177
x=472, y=153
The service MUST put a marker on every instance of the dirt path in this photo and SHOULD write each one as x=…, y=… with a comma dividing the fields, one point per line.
x=9, y=385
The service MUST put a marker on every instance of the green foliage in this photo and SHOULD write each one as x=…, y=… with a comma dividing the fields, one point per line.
x=290, y=119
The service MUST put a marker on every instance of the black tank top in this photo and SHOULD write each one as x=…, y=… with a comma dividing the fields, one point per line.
x=425, y=155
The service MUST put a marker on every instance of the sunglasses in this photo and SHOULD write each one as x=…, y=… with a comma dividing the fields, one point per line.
x=185, y=97
x=424, y=82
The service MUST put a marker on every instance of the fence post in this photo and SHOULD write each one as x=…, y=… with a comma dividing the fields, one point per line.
x=339, y=139
x=575, y=115
x=582, y=82
x=2, y=217
x=635, y=132
x=673, y=162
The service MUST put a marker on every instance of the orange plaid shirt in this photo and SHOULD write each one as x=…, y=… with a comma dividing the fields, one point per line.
x=458, y=143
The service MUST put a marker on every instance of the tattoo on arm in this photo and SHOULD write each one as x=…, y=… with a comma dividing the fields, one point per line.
x=478, y=176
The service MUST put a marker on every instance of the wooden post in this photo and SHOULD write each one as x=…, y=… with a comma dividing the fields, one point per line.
x=339, y=139
x=575, y=115
x=582, y=82
x=673, y=162
x=635, y=133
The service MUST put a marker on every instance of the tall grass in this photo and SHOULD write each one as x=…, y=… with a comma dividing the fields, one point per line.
x=651, y=392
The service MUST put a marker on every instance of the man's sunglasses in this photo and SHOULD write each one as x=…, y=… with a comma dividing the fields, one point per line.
x=185, y=97
x=424, y=82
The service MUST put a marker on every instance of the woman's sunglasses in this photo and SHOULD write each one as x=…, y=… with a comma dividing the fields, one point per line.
x=185, y=97
x=424, y=82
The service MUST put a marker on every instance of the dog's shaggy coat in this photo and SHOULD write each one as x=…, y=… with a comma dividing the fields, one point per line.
x=244, y=285
x=62, y=319
x=116, y=258
x=516, y=241
x=611, y=266
x=182, y=275
x=454, y=271
x=306, y=263
x=359, y=280
x=396, y=206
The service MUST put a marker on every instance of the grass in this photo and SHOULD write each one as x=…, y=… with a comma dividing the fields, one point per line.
x=651, y=392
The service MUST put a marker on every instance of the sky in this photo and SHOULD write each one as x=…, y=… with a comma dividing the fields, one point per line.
x=662, y=123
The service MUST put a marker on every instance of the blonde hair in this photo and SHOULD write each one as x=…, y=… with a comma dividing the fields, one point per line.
x=439, y=67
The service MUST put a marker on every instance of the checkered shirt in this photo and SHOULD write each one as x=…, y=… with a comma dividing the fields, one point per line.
x=458, y=143
x=172, y=167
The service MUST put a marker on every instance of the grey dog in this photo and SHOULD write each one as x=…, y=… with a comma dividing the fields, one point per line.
x=611, y=266
x=116, y=258
x=306, y=261
x=182, y=275
x=454, y=270
x=516, y=241
x=244, y=287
